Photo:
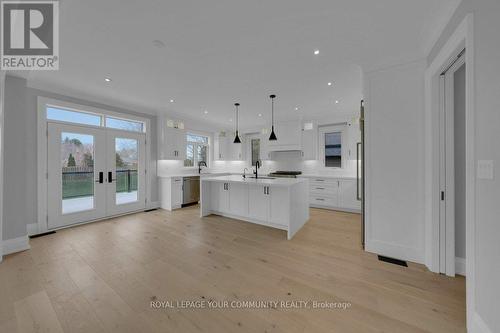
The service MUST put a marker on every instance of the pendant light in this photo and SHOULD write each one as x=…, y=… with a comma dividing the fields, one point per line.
x=237, y=138
x=272, y=137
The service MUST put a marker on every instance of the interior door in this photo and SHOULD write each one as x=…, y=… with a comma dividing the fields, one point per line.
x=76, y=174
x=126, y=172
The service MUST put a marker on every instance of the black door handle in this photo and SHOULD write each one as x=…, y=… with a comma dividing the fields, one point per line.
x=110, y=177
x=101, y=178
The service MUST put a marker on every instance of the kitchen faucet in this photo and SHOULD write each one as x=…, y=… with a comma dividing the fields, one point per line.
x=257, y=166
x=200, y=164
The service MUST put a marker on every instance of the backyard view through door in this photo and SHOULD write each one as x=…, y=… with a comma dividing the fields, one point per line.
x=93, y=173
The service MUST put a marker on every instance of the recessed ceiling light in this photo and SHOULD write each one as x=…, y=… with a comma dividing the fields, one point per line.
x=329, y=83
x=336, y=102
x=296, y=109
x=230, y=119
x=171, y=101
x=260, y=114
x=107, y=79
x=316, y=52
x=205, y=111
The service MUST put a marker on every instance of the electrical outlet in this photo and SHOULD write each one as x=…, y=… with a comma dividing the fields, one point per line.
x=485, y=169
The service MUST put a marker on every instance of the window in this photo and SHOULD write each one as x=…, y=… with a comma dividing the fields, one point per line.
x=197, y=148
x=331, y=146
x=73, y=116
x=255, y=149
x=122, y=124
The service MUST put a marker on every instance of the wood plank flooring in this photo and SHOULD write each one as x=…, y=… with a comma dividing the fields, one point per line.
x=102, y=277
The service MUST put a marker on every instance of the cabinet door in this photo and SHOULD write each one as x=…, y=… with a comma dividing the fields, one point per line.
x=224, y=197
x=347, y=194
x=177, y=191
x=238, y=199
x=265, y=153
x=279, y=209
x=309, y=140
x=168, y=145
x=258, y=203
x=180, y=144
x=220, y=148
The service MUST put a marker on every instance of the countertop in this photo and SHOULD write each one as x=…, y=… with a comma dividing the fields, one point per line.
x=240, y=179
x=211, y=174
x=326, y=176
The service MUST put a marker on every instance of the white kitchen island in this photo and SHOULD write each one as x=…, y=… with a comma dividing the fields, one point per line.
x=281, y=203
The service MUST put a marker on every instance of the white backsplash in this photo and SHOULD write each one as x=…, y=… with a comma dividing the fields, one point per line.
x=288, y=161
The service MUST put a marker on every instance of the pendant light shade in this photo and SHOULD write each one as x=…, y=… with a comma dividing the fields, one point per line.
x=237, y=138
x=272, y=137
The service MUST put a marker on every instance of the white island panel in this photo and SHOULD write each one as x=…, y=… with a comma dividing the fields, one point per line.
x=281, y=203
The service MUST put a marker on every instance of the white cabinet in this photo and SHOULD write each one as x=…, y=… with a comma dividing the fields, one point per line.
x=288, y=134
x=226, y=150
x=258, y=203
x=238, y=199
x=309, y=141
x=265, y=153
x=278, y=212
x=347, y=194
x=171, y=140
x=333, y=193
x=224, y=197
x=171, y=192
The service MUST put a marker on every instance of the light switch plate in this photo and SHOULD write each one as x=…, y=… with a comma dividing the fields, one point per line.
x=485, y=169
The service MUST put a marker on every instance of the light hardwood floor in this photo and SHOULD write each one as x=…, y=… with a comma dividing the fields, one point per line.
x=102, y=277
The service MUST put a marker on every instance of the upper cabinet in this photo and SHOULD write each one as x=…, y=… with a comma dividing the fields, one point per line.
x=226, y=150
x=171, y=139
x=309, y=141
x=288, y=134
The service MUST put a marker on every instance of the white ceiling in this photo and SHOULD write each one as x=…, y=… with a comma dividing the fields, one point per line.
x=223, y=51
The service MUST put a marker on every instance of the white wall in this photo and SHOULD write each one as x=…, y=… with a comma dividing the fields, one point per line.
x=487, y=138
x=394, y=161
x=2, y=89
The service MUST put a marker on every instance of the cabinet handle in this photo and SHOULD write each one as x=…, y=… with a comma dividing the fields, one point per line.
x=320, y=180
x=320, y=188
x=318, y=199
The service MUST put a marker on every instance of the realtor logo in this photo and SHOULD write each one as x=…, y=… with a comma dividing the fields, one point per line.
x=30, y=35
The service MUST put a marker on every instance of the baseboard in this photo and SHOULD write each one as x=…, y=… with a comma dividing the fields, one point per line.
x=32, y=229
x=460, y=266
x=395, y=251
x=478, y=325
x=153, y=205
x=15, y=245
x=346, y=210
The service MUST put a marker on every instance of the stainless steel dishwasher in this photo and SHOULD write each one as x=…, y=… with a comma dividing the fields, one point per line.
x=191, y=187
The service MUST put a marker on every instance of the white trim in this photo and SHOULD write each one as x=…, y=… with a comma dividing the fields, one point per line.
x=478, y=325
x=394, y=251
x=460, y=39
x=460, y=266
x=15, y=245
x=42, y=150
x=2, y=97
x=32, y=229
x=153, y=205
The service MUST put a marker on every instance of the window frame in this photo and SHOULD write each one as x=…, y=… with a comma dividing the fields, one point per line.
x=249, y=138
x=195, y=147
x=322, y=130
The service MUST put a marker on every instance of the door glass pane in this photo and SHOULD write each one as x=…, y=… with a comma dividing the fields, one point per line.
x=189, y=161
x=127, y=125
x=333, y=149
x=127, y=160
x=77, y=164
x=73, y=116
x=202, y=154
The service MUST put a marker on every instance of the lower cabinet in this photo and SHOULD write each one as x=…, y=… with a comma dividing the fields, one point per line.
x=268, y=204
x=238, y=199
x=171, y=193
x=334, y=193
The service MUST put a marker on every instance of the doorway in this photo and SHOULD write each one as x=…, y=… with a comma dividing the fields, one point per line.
x=452, y=176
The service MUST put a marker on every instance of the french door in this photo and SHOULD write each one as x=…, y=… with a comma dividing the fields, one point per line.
x=93, y=173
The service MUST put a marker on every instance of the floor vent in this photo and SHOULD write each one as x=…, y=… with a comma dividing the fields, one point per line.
x=150, y=210
x=43, y=234
x=393, y=261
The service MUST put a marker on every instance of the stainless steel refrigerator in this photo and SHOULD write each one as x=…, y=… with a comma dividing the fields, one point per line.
x=360, y=170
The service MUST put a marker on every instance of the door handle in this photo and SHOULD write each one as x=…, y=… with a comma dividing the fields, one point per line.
x=110, y=177
x=101, y=178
